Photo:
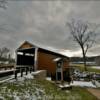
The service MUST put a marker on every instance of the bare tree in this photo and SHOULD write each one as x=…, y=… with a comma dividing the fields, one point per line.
x=84, y=34
x=3, y=4
x=4, y=52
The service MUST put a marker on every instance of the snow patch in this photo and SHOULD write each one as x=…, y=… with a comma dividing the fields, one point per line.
x=29, y=76
x=48, y=78
x=97, y=83
x=83, y=84
x=96, y=67
x=36, y=72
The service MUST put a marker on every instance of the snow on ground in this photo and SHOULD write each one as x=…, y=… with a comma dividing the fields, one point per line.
x=23, y=93
x=79, y=83
x=96, y=67
x=29, y=76
x=83, y=84
x=2, y=71
x=19, y=78
x=97, y=84
x=36, y=72
x=34, y=92
x=64, y=85
x=48, y=78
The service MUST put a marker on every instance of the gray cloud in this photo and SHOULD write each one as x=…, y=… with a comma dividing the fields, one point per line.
x=43, y=22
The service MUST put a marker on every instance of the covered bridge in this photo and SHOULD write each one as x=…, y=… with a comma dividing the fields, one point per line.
x=34, y=58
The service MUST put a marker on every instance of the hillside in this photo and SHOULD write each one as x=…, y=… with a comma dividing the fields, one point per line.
x=80, y=59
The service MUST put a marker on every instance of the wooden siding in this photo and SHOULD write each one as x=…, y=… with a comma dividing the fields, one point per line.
x=66, y=65
x=25, y=45
x=45, y=62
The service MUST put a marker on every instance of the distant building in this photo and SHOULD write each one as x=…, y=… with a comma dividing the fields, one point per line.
x=37, y=58
x=97, y=60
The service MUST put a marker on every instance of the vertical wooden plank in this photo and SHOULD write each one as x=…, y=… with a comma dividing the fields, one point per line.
x=35, y=59
x=15, y=72
x=62, y=71
x=26, y=70
x=16, y=57
x=56, y=74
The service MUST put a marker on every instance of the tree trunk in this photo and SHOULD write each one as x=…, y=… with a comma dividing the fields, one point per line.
x=84, y=59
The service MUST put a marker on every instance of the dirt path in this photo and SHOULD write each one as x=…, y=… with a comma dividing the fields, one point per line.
x=95, y=92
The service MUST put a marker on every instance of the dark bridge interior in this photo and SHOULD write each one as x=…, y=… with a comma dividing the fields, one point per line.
x=25, y=56
x=25, y=60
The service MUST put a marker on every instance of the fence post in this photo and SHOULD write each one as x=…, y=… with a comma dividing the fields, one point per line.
x=15, y=74
x=26, y=70
x=21, y=72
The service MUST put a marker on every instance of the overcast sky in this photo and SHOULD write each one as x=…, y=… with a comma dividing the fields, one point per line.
x=44, y=23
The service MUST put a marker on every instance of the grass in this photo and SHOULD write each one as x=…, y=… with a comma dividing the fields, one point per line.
x=77, y=93
x=89, y=69
x=43, y=90
x=84, y=94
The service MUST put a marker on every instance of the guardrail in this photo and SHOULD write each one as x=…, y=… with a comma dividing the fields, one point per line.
x=4, y=73
x=6, y=67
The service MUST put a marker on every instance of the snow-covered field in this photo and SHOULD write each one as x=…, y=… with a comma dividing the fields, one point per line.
x=21, y=89
x=28, y=88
